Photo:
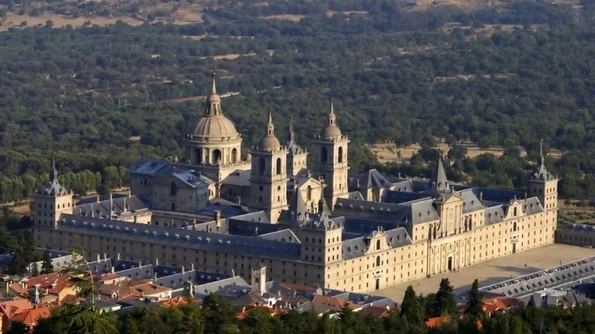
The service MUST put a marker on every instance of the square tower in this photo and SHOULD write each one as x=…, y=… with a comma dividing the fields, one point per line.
x=51, y=201
x=331, y=160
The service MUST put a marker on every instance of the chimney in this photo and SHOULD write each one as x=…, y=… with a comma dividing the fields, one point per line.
x=7, y=286
x=239, y=199
x=140, y=263
x=98, y=257
x=217, y=216
x=113, y=270
x=183, y=270
x=129, y=193
x=481, y=196
x=105, y=256
x=98, y=197
x=156, y=261
x=525, y=195
x=192, y=266
x=118, y=256
x=125, y=208
x=134, y=219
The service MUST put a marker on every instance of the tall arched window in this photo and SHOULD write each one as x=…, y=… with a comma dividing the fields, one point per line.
x=515, y=212
x=234, y=155
x=324, y=155
x=514, y=226
x=377, y=261
x=173, y=188
x=340, y=157
x=216, y=157
x=278, y=169
x=198, y=153
x=261, y=166
x=309, y=194
x=377, y=244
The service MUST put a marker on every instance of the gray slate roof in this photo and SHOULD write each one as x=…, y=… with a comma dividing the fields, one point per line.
x=356, y=247
x=182, y=238
x=159, y=168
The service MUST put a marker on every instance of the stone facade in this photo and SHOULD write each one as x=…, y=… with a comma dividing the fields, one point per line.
x=358, y=233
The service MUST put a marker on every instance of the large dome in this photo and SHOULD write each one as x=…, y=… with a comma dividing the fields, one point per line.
x=215, y=128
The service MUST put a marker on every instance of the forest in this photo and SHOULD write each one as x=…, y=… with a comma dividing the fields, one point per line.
x=101, y=97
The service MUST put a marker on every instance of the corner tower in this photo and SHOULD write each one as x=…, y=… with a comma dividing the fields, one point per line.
x=543, y=185
x=268, y=176
x=330, y=159
x=51, y=201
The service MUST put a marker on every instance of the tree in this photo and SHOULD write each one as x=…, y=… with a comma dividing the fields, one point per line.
x=475, y=303
x=46, y=266
x=531, y=302
x=445, y=298
x=411, y=308
x=17, y=265
x=17, y=327
x=35, y=269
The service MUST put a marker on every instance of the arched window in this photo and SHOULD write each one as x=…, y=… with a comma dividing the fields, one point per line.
x=514, y=226
x=173, y=188
x=309, y=194
x=515, y=212
x=234, y=155
x=324, y=155
x=261, y=166
x=340, y=157
x=198, y=153
x=378, y=260
x=216, y=157
x=378, y=245
x=278, y=169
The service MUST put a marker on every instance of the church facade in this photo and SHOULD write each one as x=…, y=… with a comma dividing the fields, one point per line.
x=321, y=226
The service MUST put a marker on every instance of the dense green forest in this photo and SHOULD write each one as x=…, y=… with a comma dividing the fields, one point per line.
x=395, y=75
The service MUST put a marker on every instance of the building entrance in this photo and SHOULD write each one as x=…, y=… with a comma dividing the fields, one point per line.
x=450, y=263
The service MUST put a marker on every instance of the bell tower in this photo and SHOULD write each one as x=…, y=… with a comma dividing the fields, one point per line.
x=51, y=201
x=268, y=175
x=543, y=185
x=330, y=159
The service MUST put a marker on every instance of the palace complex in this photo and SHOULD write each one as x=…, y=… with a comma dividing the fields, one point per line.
x=303, y=222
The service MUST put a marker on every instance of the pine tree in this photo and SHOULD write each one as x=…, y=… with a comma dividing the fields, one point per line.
x=531, y=302
x=46, y=266
x=445, y=298
x=35, y=270
x=475, y=304
x=411, y=308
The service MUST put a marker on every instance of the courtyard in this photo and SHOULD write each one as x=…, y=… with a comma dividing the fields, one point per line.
x=493, y=271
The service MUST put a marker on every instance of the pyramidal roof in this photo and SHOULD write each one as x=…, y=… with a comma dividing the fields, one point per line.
x=440, y=182
x=53, y=187
x=541, y=173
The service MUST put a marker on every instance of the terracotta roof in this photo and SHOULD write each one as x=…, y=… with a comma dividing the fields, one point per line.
x=18, y=288
x=438, y=321
x=9, y=308
x=252, y=306
x=297, y=287
x=177, y=301
x=499, y=303
x=30, y=317
x=378, y=311
x=335, y=304
x=44, y=280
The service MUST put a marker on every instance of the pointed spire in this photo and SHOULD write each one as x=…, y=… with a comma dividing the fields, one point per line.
x=291, y=132
x=331, y=115
x=213, y=99
x=54, y=170
x=213, y=84
x=440, y=181
x=270, y=125
x=541, y=160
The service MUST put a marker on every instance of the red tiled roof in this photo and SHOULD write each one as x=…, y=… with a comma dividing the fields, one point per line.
x=437, y=321
x=30, y=317
x=252, y=306
x=378, y=311
x=18, y=288
x=297, y=287
x=336, y=304
x=499, y=303
x=9, y=308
